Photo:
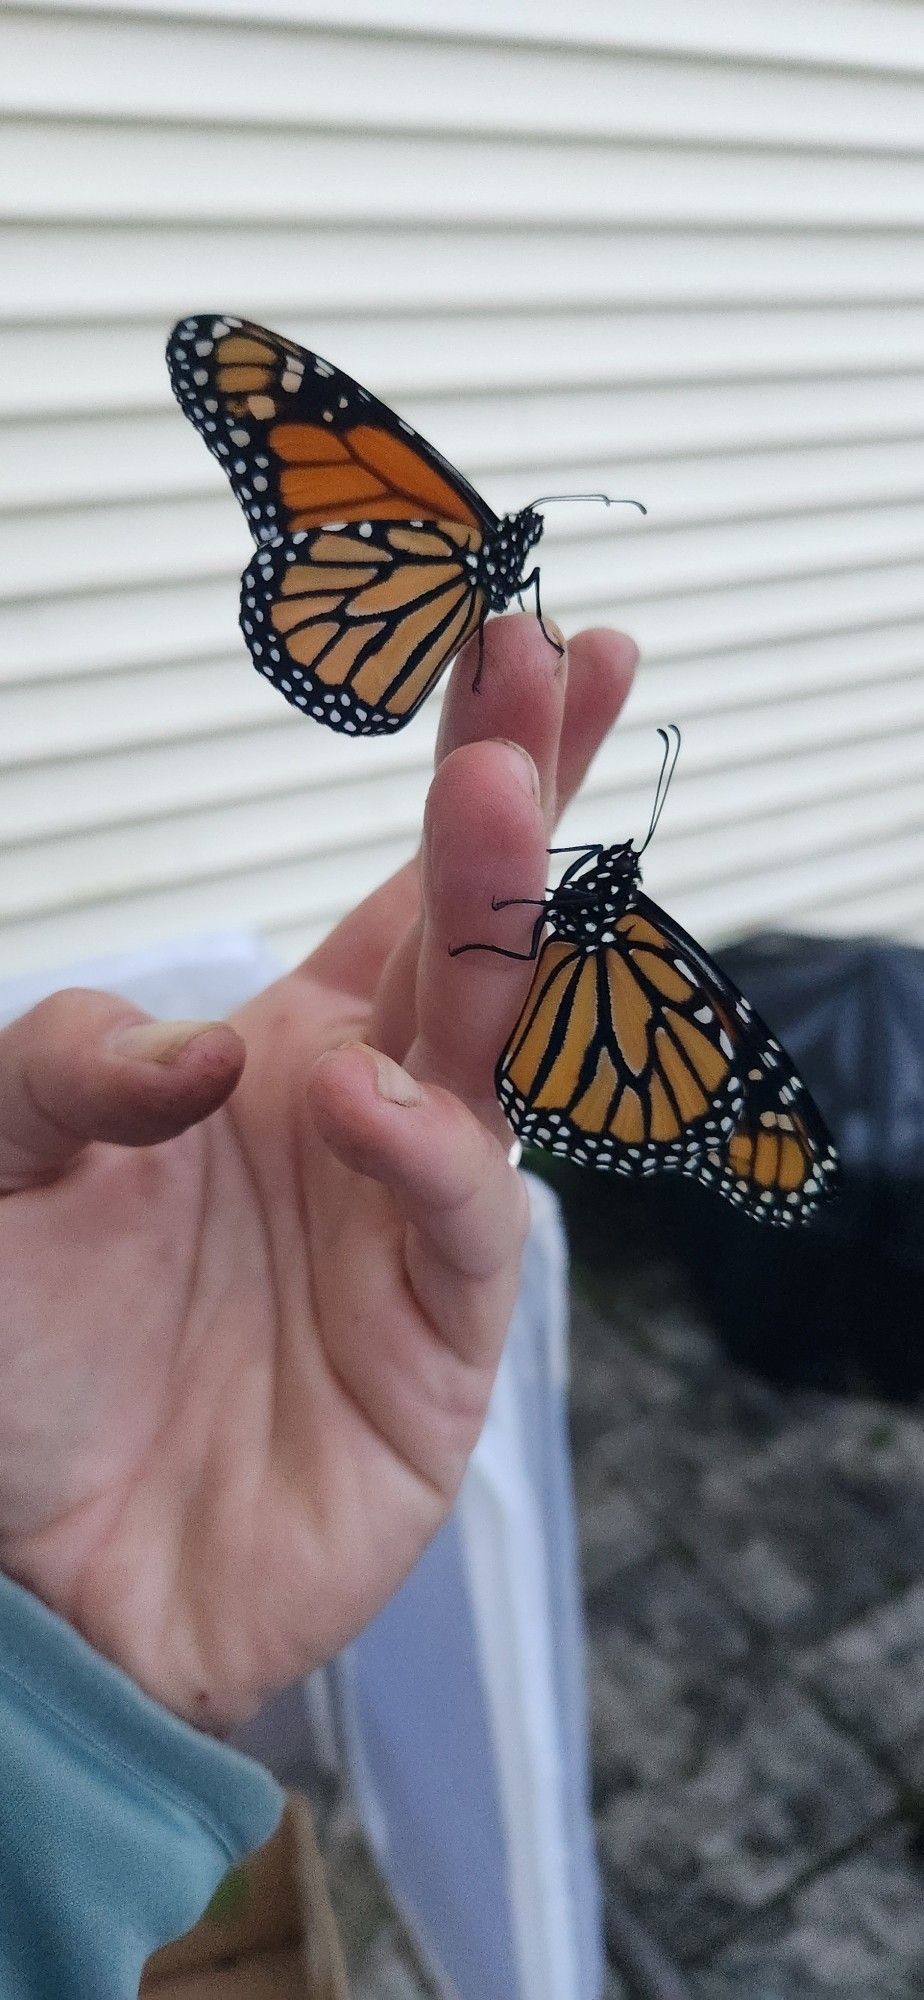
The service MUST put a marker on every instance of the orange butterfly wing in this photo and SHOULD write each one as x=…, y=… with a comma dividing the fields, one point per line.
x=302, y=444
x=354, y=625
x=640, y=1056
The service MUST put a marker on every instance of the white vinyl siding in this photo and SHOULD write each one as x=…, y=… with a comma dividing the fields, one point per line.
x=674, y=251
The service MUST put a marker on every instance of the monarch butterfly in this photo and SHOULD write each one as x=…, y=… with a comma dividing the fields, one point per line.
x=377, y=560
x=634, y=1052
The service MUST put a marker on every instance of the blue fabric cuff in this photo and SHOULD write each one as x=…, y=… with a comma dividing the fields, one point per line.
x=117, y=1820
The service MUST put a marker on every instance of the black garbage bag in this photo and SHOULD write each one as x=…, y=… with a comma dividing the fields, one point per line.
x=840, y=1303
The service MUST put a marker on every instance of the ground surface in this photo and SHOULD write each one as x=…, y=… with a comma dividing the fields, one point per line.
x=754, y=1582
x=754, y=1573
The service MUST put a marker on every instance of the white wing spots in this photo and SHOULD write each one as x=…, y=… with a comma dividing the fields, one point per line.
x=703, y=1014
x=204, y=347
x=684, y=971
x=322, y=367
x=222, y=326
x=238, y=436
x=726, y=1045
x=365, y=529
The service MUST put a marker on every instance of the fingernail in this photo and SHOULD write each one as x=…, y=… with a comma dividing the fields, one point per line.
x=556, y=632
x=394, y=1083
x=522, y=767
x=159, y=1041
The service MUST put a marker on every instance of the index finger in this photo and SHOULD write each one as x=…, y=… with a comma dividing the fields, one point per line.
x=484, y=837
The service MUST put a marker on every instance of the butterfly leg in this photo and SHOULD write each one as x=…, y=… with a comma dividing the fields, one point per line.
x=532, y=581
x=479, y=670
x=499, y=950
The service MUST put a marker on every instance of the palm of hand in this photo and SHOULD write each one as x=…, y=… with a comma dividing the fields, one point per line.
x=241, y=1370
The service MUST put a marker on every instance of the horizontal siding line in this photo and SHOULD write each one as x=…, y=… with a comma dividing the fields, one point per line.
x=624, y=138
x=536, y=221
x=669, y=49
x=583, y=228
x=478, y=310
x=475, y=311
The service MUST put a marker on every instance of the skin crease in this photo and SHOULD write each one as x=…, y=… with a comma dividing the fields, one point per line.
x=255, y=1285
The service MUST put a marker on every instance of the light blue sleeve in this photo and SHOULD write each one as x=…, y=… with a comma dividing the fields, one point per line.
x=117, y=1821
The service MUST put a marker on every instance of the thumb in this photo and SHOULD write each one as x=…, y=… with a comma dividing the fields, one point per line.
x=84, y=1066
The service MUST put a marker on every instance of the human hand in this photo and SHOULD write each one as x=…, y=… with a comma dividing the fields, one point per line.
x=251, y=1316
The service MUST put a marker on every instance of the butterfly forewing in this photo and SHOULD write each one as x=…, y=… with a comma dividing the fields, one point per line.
x=301, y=442
x=619, y=1058
x=639, y=1056
x=354, y=625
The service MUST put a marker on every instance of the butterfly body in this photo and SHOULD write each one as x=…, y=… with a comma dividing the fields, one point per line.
x=634, y=1053
x=376, y=559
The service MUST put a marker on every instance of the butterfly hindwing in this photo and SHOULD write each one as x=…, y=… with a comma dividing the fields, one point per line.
x=779, y=1162
x=354, y=625
x=302, y=443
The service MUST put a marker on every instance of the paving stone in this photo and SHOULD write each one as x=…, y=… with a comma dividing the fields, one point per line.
x=826, y=1521
x=872, y=1676
x=855, y=1933
x=617, y=1532
x=669, y=1456
x=613, y=1382
x=668, y=1676
x=775, y=1792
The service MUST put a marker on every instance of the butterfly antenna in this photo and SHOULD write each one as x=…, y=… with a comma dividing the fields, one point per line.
x=546, y=499
x=670, y=738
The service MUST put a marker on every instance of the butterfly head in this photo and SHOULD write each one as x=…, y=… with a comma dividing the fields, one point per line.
x=594, y=892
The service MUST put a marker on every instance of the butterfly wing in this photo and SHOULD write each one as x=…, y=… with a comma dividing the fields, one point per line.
x=642, y=1056
x=779, y=1163
x=355, y=625
x=301, y=442
x=619, y=1059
